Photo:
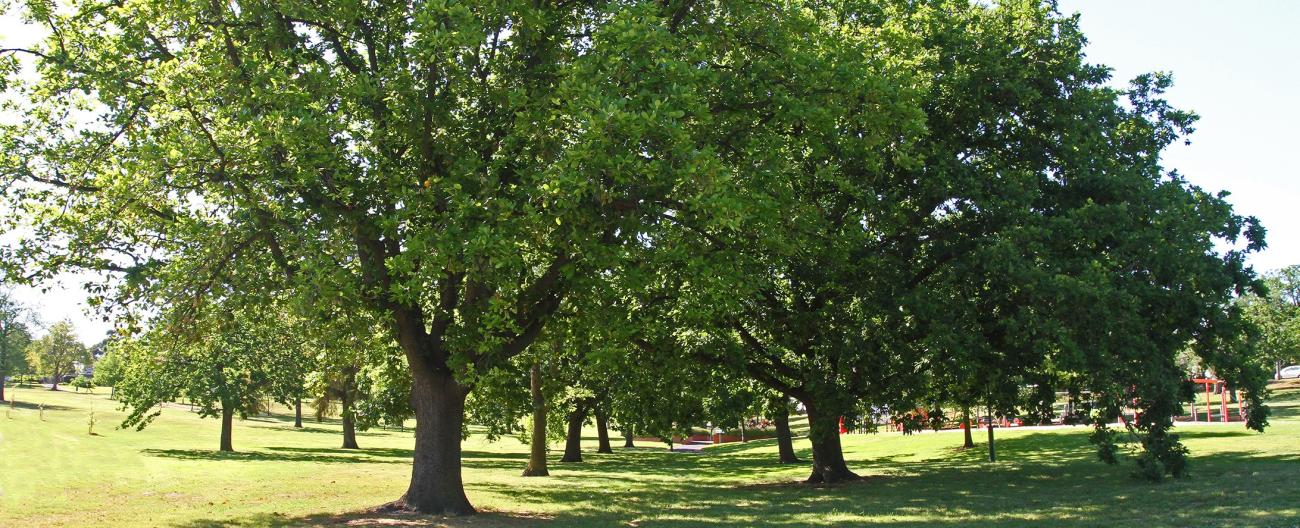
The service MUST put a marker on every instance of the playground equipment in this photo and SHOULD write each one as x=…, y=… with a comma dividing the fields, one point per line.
x=1212, y=386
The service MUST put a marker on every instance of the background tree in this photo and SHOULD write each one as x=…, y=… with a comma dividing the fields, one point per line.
x=344, y=345
x=14, y=339
x=1277, y=316
x=778, y=408
x=57, y=352
x=221, y=363
x=110, y=368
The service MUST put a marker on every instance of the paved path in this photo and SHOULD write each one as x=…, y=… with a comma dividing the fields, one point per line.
x=691, y=447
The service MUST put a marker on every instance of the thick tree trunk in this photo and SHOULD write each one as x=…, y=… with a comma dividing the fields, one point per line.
x=993, y=450
x=965, y=420
x=537, y=449
x=349, y=418
x=227, y=427
x=439, y=403
x=602, y=431
x=784, y=440
x=573, y=438
x=627, y=437
x=828, y=459
x=297, y=412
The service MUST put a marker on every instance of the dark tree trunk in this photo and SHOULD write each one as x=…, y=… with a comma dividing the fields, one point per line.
x=297, y=412
x=537, y=449
x=784, y=440
x=573, y=438
x=828, y=458
x=627, y=437
x=602, y=431
x=439, y=402
x=227, y=426
x=965, y=420
x=2, y=387
x=993, y=450
x=349, y=418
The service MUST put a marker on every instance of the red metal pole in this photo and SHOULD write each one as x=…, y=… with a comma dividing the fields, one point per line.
x=1223, y=404
x=1209, y=410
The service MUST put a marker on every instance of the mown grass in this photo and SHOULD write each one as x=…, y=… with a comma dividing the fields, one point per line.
x=53, y=473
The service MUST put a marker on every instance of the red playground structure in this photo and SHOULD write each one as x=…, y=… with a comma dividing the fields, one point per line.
x=1212, y=386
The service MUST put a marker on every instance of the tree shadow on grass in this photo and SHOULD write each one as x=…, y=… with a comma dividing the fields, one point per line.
x=470, y=459
x=310, y=429
x=388, y=452
x=29, y=406
x=328, y=456
x=372, y=518
x=1043, y=478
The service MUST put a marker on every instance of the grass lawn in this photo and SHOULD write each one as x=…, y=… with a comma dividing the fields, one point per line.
x=52, y=473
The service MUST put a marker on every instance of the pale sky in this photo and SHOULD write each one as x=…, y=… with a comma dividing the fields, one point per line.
x=1234, y=63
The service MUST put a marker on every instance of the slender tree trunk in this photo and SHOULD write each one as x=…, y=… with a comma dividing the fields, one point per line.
x=828, y=457
x=573, y=439
x=993, y=450
x=965, y=420
x=1277, y=369
x=537, y=449
x=439, y=402
x=2, y=387
x=627, y=437
x=742, y=430
x=784, y=440
x=602, y=431
x=297, y=412
x=349, y=418
x=227, y=426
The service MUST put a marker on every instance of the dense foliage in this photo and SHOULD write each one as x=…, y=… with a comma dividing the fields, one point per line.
x=14, y=337
x=868, y=207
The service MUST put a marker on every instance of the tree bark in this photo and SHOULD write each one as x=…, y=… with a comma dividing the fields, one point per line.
x=2, y=387
x=297, y=412
x=573, y=438
x=828, y=458
x=965, y=420
x=993, y=450
x=349, y=418
x=627, y=437
x=537, y=449
x=784, y=440
x=602, y=431
x=439, y=402
x=227, y=426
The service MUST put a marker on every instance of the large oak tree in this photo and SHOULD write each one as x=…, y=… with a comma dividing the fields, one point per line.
x=457, y=169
